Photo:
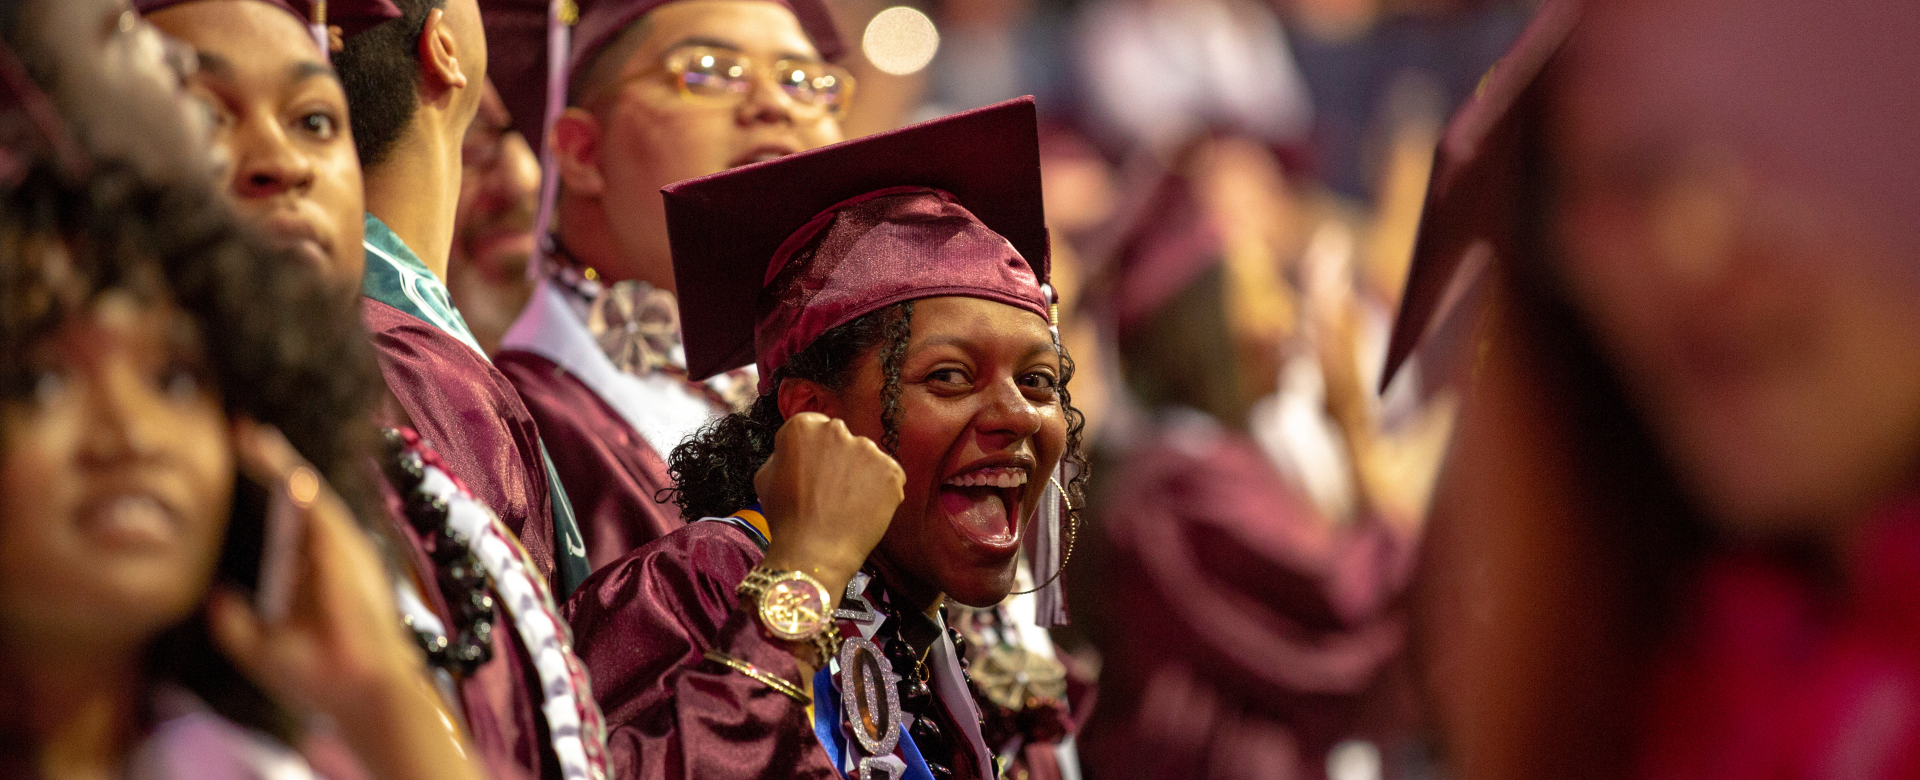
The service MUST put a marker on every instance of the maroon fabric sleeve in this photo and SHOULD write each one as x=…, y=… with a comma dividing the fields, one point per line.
x=613, y=477
x=468, y=412
x=642, y=626
x=1240, y=628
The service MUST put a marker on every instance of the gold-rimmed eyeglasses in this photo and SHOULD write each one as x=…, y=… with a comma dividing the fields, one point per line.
x=710, y=73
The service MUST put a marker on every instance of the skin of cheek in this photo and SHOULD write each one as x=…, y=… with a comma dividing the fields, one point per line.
x=654, y=137
x=120, y=90
x=337, y=192
x=58, y=587
x=646, y=149
x=1824, y=421
x=937, y=433
x=265, y=105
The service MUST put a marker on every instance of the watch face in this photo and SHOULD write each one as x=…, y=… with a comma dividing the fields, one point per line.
x=794, y=607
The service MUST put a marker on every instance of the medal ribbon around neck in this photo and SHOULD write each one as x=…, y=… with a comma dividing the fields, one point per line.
x=856, y=700
x=856, y=709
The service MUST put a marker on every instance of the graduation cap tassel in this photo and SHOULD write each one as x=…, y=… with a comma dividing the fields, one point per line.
x=561, y=15
x=1043, y=542
x=319, y=30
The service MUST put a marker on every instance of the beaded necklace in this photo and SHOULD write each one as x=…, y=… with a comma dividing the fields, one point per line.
x=489, y=555
x=907, y=640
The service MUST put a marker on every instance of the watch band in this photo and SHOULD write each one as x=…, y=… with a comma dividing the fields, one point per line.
x=778, y=618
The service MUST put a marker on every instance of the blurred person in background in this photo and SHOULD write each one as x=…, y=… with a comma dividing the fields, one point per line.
x=658, y=91
x=147, y=368
x=283, y=122
x=1678, y=534
x=994, y=50
x=119, y=84
x=1157, y=71
x=1247, y=624
x=493, y=238
x=1360, y=58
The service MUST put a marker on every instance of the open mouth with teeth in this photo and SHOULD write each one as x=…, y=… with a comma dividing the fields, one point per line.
x=129, y=521
x=983, y=505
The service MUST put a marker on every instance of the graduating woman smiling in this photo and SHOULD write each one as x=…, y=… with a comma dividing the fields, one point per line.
x=892, y=291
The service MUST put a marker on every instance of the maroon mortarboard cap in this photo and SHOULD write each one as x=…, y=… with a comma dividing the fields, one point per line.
x=517, y=61
x=351, y=16
x=601, y=21
x=1165, y=242
x=1469, y=207
x=814, y=240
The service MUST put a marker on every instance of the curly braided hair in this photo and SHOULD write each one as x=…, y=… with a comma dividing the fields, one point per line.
x=892, y=352
x=713, y=471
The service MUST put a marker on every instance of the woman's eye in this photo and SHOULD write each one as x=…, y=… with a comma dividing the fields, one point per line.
x=1038, y=381
x=180, y=383
x=218, y=117
x=48, y=386
x=318, y=124
x=948, y=376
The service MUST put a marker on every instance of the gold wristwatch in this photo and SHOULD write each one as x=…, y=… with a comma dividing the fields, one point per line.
x=794, y=607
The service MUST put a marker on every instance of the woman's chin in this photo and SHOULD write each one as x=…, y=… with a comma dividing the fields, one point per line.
x=983, y=592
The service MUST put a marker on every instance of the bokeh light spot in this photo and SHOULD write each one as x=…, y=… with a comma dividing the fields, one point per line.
x=900, y=41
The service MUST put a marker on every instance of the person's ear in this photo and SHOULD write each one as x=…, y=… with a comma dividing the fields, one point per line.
x=439, y=54
x=806, y=395
x=576, y=147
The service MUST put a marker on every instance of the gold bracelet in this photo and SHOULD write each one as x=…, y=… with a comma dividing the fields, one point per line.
x=792, y=691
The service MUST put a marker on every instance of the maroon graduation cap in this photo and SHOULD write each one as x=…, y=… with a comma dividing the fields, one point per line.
x=1470, y=210
x=1160, y=244
x=351, y=16
x=518, y=38
x=769, y=256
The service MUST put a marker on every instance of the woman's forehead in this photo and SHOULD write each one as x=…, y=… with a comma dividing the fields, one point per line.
x=977, y=322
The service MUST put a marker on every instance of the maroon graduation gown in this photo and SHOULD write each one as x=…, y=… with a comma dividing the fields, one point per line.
x=1239, y=632
x=499, y=700
x=463, y=407
x=613, y=476
x=642, y=625
x=476, y=423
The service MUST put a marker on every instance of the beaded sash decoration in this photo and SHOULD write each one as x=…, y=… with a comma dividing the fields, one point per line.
x=881, y=692
x=637, y=326
x=1022, y=694
x=468, y=643
x=875, y=709
x=574, y=723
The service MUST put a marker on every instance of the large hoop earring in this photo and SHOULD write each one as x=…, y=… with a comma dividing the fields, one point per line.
x=1073, y=533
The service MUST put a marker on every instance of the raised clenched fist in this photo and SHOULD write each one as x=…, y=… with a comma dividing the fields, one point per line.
x=828, y=496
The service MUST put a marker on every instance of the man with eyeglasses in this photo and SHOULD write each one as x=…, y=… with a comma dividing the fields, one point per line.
x=658, y=91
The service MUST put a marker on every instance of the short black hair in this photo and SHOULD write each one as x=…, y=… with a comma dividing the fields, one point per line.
x=380, y=69
x=602, y=71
